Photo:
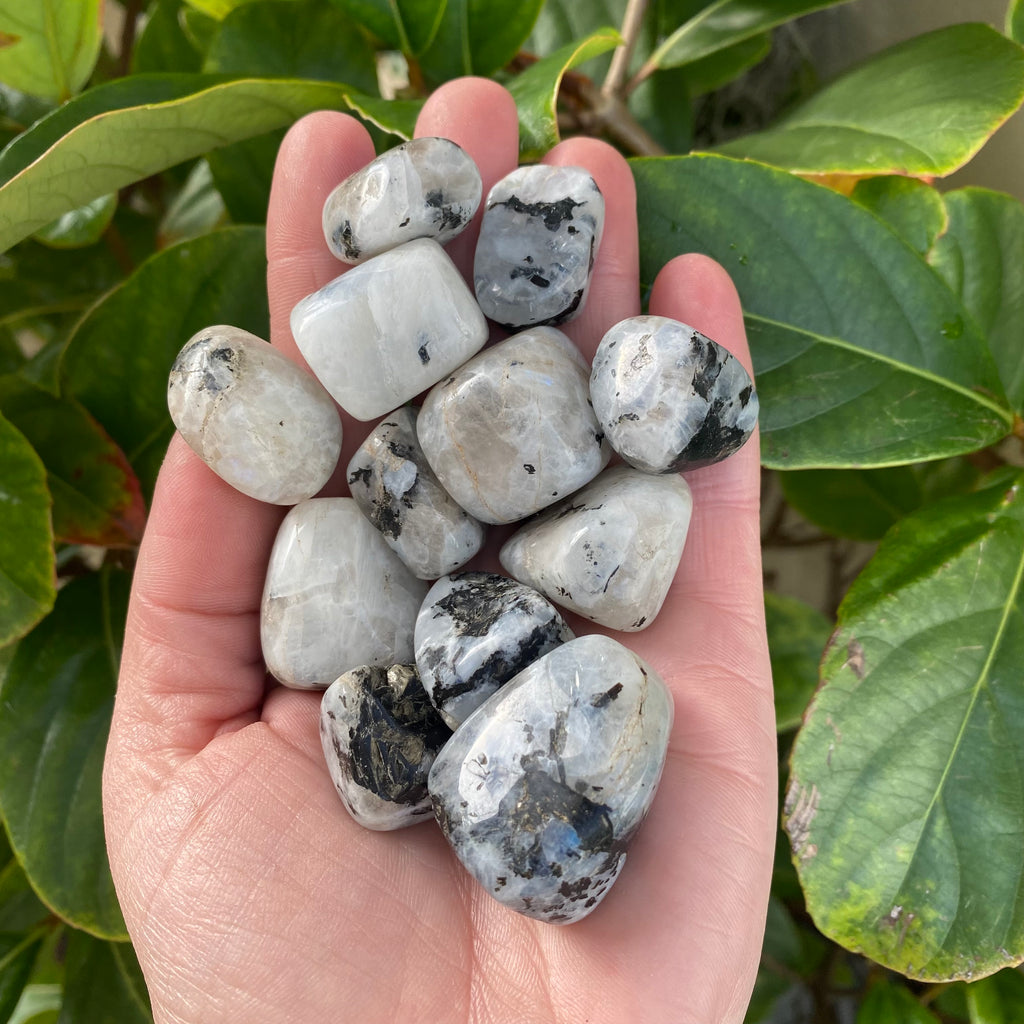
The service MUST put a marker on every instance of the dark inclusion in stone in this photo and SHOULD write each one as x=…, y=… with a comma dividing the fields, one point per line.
x=380, y=735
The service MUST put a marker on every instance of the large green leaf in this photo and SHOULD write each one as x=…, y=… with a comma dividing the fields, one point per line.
x=407, y=25
x=17, y=954
x=891, y=1003
x=27, y=578
x=981, y=257
x=57, y=699
x=104, y=984
x=50, y=46
x=118, y=359
x=129, y=129
x=863, y=356
x=797, y=634
x=162, y=45
x=913, y=210
x=922, y=107
x=535, y=91
x=906, y=801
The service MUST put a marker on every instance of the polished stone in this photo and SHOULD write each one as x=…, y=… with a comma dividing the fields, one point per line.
x=541, y=790
x=390, y=328
x=426, y=188
x=512, y=431
x=669, y=398
x=380, y=735
x=475, y=631
x=258, y=420
x=610, y=551
x=336, y=597
x=540, y=234
x=393, y=484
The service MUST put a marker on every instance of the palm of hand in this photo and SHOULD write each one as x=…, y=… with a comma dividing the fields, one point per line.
x=249, y=893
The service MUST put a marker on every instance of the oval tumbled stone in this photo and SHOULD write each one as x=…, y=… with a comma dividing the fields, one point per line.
x=475, y=631
x=668, y=397
x=541, y=789
x=426, y=188
x=610, y=551
x=336, y=597
x=255, y=418
x=390, y=328
x=539, y=238
x=380, y=735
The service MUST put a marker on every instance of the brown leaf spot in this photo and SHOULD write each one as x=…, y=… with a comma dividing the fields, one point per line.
x=855, y=658
x=800, y=809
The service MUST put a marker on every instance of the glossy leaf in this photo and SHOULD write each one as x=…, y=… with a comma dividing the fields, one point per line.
x=79, y=228
x=96, y=496
x=860, y=504
x=20, y=909
x=476, y=37
x=998, y=999
x=218, y=10
x=242, y=175
x=196, y=209
x=65, y=160
x=913, y=210
x=923, y=107
x=863, y=357
x=889, y=1003
x=722, y=66
x=27, y=579
x=17, y=954
x=40, y=1004
x=535, y=91
x=58, y=696
x=104, y=984
x=406, y=25
x=1015, y=20
x=797, y=634
x=396, y=117
x=981, y=258
x=906, y=801
x=162, y=45
x=118, y=359
x=50, y=46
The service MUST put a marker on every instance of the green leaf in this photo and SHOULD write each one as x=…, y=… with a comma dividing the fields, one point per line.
x=50, y=46
x=476, y=37
x=17, y=954
x=77, y=153
x=860, y=504
x=1015, y=20
x=863, y=357
x=119, y=356
x=162, y=45
x=218, y=10
x=923, y=107
x=535, y=91
x=797, y=634
x=39, y=1005
x=304, y=39
x=406, y=25
x=18, y=110
x=913, y=210
x=96, y=496
x=889, y=1003
x=199, y=28
x=726, y=22
x=906, y=800
x=57, y=698
x=27, y=579
x=104, y=984
x=79, y=228
x=20, y=909
x=998, y=999
x=397, y=117
x=197, y=208
x=721, y=67
x=981, y=258
x=655, y=104
x=242, y=175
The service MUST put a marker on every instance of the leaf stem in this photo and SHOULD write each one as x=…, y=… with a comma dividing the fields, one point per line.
x=617, y=70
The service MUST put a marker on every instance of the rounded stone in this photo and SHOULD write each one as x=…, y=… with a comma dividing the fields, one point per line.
x=669, y=398
x=260, y=422
x=426, y=188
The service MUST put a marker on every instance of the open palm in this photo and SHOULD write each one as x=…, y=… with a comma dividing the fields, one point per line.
x=250, y=894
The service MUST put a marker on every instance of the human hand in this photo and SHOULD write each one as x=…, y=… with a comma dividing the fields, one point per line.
x=252, y=896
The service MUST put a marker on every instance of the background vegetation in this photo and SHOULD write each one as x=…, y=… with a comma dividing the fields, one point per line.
x=886, y=319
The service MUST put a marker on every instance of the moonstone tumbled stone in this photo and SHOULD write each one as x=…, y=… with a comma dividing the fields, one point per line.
x=395, y=487
x=380, y=735
x=610, y=551
x=475, y=631
x=426, y=188
x=336, y=596
x=255, y=418
x=668, y=397
x=512, y=431
x=389, y=328
x=541, y=789
x=540, y=234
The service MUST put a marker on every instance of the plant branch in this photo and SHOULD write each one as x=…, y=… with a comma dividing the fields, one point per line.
x=619, y=67
x=132, y=10
x=594, y=113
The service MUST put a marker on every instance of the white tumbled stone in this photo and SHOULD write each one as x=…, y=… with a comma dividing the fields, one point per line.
x=512, y=431
x=389, y=328
x=258, y=420
x=392, y=482
x=336, y=597
x=539, y=238
x=610, y=551
x=426, y=188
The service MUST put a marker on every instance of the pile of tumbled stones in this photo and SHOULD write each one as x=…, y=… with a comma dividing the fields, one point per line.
x=538, y=752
